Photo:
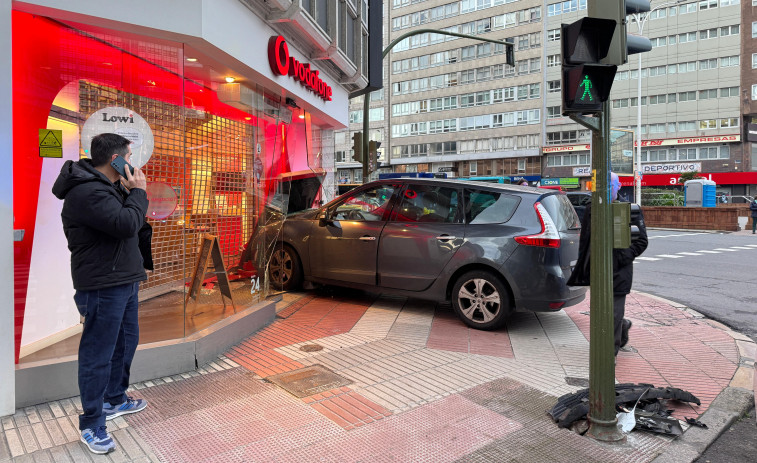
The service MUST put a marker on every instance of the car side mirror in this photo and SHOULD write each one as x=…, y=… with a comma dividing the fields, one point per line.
x=324, y=219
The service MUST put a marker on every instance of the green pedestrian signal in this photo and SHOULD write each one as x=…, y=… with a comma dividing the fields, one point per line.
x=586, y=83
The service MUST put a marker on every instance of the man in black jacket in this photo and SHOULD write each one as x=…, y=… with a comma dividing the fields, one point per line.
x=101, y=221
x=622, y=265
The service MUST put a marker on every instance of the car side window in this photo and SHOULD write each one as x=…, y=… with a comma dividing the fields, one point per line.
x=428, y=203
x=366, y=205
x=488, y=206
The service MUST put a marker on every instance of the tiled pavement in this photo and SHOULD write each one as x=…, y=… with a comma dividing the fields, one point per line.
x=420, y=386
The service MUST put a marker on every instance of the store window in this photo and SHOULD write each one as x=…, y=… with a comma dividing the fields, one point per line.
x=221, y=159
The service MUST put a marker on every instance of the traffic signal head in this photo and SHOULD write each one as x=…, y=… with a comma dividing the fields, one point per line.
x=357, y=147
x=622, y=44
x=586, y=83
x=373, y=147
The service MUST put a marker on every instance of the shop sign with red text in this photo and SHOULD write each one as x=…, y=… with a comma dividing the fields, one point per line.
x=691, y=140
x=283, y=64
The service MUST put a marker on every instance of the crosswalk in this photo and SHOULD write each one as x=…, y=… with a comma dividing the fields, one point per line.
x=680, y=255
x=675, y=235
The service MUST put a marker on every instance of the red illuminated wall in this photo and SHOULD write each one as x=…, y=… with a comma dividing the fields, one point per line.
x=46, y=57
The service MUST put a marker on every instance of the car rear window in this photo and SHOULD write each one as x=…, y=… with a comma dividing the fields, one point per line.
x=489, y=206
x=561, y=211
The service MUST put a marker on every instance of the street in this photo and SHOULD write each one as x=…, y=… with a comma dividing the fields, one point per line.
x=712, y=273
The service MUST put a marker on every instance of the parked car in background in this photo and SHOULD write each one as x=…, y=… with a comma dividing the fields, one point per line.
x=579, y=200
x=489, y=249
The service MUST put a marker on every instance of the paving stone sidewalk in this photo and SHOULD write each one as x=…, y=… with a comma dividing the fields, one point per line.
x=391, y=379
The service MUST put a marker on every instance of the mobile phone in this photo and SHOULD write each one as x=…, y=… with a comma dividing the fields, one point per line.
x=120, y=164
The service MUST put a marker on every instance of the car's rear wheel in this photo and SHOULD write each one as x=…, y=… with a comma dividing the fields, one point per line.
x=481, y=300
x=284, y=269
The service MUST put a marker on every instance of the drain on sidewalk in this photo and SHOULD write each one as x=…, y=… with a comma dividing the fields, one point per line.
x=311, y=348
x=309, y=381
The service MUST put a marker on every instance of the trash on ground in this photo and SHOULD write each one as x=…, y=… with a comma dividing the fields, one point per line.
x=695, y=422
x=648, y=413
x=627, y=420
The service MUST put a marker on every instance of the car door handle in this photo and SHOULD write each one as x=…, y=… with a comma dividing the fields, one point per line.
x=368, y=238
x=445, y=237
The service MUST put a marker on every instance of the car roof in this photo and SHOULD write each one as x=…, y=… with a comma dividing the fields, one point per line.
x=452, y=182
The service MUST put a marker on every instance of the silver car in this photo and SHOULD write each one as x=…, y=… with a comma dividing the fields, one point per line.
x=489, y=249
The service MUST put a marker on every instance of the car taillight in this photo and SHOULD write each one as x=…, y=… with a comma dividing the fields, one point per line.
x=548, y=237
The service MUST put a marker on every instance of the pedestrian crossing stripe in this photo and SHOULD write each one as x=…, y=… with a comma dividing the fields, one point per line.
x=752, y=245
x=725, y=249
x=648, y=258
x=672, y=256
x=741, y=247
x=689, y=253
x=710, y=252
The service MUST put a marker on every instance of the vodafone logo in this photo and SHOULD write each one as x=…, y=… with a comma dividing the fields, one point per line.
x=283, y=64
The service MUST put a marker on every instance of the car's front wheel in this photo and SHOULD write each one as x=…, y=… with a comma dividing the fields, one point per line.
x=481, y=300
x=284, y=269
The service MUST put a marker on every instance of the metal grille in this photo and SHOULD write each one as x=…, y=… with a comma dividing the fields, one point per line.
x=208, y=161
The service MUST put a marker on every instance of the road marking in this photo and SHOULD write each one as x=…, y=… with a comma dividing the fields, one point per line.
x=647, y=258
x=679, y=234
x=725, y=249
x=689, y=253
x=752, y=245
x=672, y=256
x=710, y=252
x=741, y=247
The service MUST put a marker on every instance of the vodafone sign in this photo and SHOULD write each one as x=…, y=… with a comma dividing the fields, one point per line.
x=283, y=64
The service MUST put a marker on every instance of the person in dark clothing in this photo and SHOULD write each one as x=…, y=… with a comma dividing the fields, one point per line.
x=102, y=219
x=622, y=265
x=753, y=208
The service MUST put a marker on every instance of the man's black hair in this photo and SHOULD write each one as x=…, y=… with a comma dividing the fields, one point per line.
x=105, y=145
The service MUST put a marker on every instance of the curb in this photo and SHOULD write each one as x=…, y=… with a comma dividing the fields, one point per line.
x=732, y=403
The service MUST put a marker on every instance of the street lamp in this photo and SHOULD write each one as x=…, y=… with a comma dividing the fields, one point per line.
x=640, y=21
x=509, y=59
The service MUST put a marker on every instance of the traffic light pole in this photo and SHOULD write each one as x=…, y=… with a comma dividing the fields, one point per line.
x=366, y=106
x=603, y=423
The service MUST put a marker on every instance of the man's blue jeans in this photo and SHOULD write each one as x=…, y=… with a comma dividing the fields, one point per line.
x=106, y=349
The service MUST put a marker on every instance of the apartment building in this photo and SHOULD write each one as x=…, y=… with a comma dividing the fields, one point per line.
x=452, y=104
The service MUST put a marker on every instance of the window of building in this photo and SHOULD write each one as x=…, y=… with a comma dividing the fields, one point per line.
x=730, y=122
x=553, y=61
x=708, y=64
x=707, y=124
x=687, y=8
x=553, y=86
x=729, y=61
x=687, y=96
x=729, y=91
x=553, y=35
x=708, y=94
x=687, y=125
x=708, y=4
x=729, y=30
